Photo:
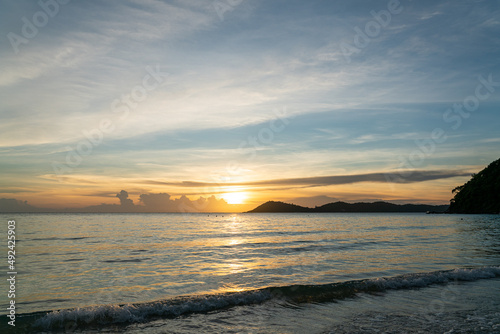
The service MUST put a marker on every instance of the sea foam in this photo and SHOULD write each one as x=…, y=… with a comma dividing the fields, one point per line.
x=98, y=316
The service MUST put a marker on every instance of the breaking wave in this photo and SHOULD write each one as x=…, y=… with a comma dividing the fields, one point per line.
x=102, y=315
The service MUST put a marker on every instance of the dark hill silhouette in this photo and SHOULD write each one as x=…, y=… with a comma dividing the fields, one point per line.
x=273, y=206
x=481, y=194
x=379, y=207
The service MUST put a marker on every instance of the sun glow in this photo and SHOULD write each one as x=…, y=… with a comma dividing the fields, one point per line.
x=235, y=198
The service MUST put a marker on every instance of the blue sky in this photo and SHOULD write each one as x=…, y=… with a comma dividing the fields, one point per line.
x=229, y=71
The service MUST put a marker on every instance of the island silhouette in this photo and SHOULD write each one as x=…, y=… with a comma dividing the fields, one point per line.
x=279, y=207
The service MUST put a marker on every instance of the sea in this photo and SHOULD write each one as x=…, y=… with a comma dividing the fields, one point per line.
x=252, y=273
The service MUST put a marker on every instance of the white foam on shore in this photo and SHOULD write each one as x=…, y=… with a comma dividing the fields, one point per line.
x=131, y=313
x=426, y=279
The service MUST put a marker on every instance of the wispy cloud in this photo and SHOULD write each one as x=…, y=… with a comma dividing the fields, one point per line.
x=413, y=176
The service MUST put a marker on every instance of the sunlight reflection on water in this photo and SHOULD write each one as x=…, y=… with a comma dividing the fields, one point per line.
x=89, y=259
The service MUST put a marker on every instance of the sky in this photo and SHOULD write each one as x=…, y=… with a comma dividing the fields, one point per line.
x=114, y=105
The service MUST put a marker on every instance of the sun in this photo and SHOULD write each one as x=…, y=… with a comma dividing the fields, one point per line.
x=235, y=198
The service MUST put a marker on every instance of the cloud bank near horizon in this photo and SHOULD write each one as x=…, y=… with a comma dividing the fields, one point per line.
x=164, y=202
x=161, y=202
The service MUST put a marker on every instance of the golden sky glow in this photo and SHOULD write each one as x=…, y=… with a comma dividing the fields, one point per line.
x=235, y=198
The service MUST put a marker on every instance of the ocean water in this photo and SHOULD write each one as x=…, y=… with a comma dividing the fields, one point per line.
x=254, y=273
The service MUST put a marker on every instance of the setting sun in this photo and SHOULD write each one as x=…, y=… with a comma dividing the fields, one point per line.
x=234, y=198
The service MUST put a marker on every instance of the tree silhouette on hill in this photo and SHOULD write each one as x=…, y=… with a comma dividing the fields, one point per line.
x=481, y=194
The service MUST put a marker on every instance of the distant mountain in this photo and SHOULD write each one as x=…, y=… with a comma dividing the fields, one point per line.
x=481, y=194
x=272, y=206
x=379, y=207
